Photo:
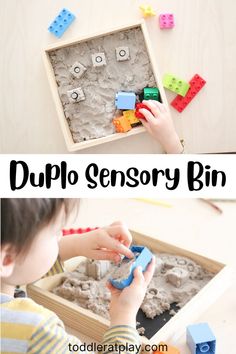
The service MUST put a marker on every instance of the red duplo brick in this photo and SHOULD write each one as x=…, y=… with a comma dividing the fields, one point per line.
x=138, y=107
x=196, y=84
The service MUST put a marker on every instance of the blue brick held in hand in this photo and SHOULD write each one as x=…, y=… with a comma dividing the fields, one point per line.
x=61, y=23
x=201, y=339
x=143, y=257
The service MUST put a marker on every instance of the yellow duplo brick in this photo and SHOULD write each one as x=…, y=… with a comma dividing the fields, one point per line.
x=147, y=10
x=130, y=115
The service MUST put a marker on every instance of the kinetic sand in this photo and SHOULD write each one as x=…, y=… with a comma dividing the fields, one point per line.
x=176, y=280
x=91, y=116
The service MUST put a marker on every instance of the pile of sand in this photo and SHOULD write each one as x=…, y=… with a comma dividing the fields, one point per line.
x=176, y=280
x=92, y=118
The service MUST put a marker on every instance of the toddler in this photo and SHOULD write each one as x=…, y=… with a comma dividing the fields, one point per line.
x=31, y=246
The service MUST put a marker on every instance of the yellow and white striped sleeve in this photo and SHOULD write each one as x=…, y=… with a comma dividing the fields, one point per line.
x=50, y=337
x=56, y=268
x=122, y=339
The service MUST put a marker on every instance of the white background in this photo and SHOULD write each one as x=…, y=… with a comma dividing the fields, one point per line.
x=203, y=42
x=36, y=164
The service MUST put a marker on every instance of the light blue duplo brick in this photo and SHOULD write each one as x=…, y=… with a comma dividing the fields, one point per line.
x=201, y=339
x=125, y=100
x=61, y=23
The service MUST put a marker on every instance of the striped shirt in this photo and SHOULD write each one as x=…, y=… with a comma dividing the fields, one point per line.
x=27, y=327
x=56, y=268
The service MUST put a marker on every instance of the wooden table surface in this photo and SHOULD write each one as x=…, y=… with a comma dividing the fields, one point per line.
x=190, y=224
x=203, y=42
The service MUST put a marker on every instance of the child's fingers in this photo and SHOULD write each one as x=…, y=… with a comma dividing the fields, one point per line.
x=148, y=115
x=148, y=274
x=121, y=230
x=160, y=105
x=106, y=241
x=123, y=234
x=106, y=255
x=127, y=241
x=112, y=289
x=138, y=277
x=153, y=107
x=144, y=123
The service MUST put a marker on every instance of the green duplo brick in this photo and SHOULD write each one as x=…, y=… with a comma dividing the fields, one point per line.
x=175, y=84
x=151, y=93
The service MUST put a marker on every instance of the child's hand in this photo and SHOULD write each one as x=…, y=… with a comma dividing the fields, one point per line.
x=106, y=243
x=160, y=125
x=126, y=303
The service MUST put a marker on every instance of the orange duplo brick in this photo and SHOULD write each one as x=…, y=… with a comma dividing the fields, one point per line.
x=165, y=348
x=122, y=124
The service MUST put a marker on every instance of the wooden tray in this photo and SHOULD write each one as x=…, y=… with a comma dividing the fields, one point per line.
x=71, y=145
x=93, y=325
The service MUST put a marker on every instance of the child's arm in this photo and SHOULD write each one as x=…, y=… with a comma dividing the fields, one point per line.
x=160, y=125
x=124, y=307
x=50, y=336
x=104, y=243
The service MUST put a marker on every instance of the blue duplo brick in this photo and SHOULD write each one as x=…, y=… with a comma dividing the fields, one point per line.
x=61, y=23
x=143, y=258
x=201, y=339
x=125, y=100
